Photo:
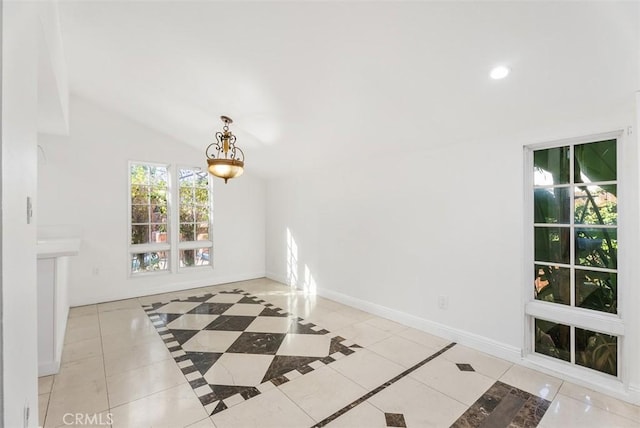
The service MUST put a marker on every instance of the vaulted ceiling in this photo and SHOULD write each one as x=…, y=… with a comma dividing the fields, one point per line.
x=309, y=83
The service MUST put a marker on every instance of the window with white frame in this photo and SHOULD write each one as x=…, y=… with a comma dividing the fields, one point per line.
x=194, y=206
x=168, y=230
x=573, y=312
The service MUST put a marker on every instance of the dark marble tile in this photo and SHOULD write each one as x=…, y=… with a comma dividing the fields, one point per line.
x=203, y=361
x=504, y=406
x=299, y=328
x=189, y=369
x=199, y=298
x=277, y=381
x=181, y=336
x=305, y=369
x=272, y=312
x=230, y=323
x=220, y=407
x=249, y=393
x=282, y=364
x=327, y=360
x=210, y=308
x=257, y=343
x=247, y=299
x=504, y=412
x=197, y=383
x=336, y=346
x=167, y=318
x=220, y=392
x=464, y=367
x=395, y=420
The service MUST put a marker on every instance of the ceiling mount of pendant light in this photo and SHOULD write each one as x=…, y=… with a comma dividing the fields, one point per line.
x=225, y=160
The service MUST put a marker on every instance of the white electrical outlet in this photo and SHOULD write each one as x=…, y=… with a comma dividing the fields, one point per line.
x=443, y=302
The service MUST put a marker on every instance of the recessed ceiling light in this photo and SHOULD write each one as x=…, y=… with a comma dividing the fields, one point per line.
x=499, y=72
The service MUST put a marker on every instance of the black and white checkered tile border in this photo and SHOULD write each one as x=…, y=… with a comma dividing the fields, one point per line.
x=196, y=379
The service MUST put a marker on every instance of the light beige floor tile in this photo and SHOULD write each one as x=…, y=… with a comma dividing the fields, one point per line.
x=363, y=415
x=85, y=320
x=45, y=383
x=482, y=363
x=174, y=407
x=82, y=349
x=192, y=322
x=239, y=369
x=177, y=307
x=532, y=381
x=90, y=398
x=76, y=373
x=423, y=338
x=444, y=376
x=270, y=325
x=225, y=298
x=211, y=341
x=367, y=369
x=204, y=423
x=354, y=313
x=332, y=321
x=305, y=345
x=143, y=381
x=119, y=304
x=82, y=332
x=43, y=403
x=78, y=311
x=117, y=342
x=271, y=409
x=316, y=392
x=566, y=412
x=420, y=405
x=601, y=401
x=134, y=357
x=247, y=309
x=402, y=351
x=363, y=334
x=386, y=325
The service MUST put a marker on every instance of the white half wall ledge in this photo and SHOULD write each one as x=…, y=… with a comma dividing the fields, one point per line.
x=168, y=288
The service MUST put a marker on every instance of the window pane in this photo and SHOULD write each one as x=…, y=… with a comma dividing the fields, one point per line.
x=202, y=179
x=158, y=233
x=597, y=291
x=158, y=176
x=187, y=231
x=147, y=262
x=139, y=214
x=158, y=213
x=202, y=196
x=186, y=177
x=596, y=205
x=158, y=196
x=187, y=258
x=597, y=351
x=197, y=257
x=186, y=214
x=139, y=234
x=552, y=244
x=552, y=205
x=139, y=174
x=551, y=166
x=553, y=339
x=595, y=162
x=186, y=195
x=202, y=214
x=139, y=194
x=202, y=232
x=597, y=247
x=553, y=284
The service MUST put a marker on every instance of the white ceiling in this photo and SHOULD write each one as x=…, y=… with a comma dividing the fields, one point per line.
x=308, y=83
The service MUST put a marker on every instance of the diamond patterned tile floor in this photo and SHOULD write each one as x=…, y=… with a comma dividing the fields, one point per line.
x=230, y=344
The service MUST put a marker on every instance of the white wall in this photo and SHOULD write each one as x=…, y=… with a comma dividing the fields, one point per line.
x=448, y=222
x=83, y=186
x=19, y=168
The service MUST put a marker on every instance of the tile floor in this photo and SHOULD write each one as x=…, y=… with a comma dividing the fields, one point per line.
x=256, y=354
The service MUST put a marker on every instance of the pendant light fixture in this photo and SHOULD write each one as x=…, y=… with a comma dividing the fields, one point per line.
x=225, y=160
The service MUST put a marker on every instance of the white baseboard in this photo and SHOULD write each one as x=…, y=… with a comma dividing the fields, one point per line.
x=134, y=292
x=48, y=368
x=481, y=343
